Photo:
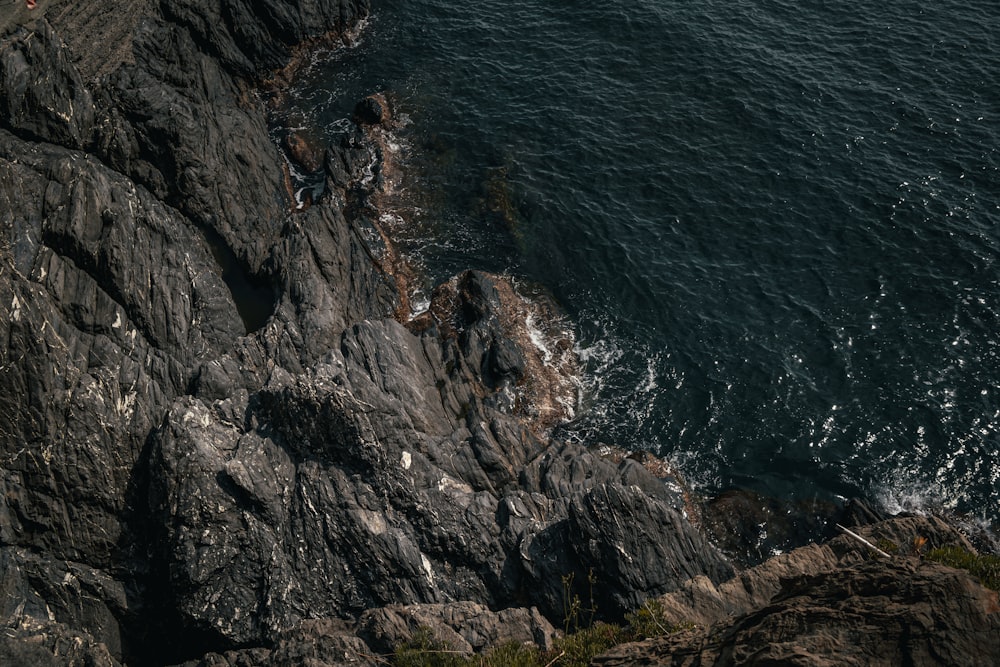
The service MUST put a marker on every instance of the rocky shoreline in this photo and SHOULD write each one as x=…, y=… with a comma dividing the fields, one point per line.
x=222, y=446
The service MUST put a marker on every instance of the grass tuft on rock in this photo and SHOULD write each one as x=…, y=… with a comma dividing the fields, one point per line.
x=426, y=650
x=575, y=649
x=986, y=568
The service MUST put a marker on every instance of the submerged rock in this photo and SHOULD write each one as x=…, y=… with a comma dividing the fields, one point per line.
x=751, y=528
x=304, y=151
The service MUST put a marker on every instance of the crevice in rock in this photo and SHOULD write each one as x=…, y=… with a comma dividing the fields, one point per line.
x=153, y=624
x=255, y=296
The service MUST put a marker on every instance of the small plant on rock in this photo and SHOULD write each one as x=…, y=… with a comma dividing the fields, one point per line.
x=577, y=649
x=426, y=650
x=986, y=568
x=575, y=616
x=648, y=621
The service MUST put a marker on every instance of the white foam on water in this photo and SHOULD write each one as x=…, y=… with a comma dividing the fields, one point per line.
x=546, y=340
x=538, y=338
x=420, y=303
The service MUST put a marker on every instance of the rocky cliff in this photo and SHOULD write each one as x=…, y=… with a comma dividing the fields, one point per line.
x=220, y=440
x=214, y=435
x=836, y=603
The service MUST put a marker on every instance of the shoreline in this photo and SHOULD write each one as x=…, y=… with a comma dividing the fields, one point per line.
x=319, y=486
x=785, y=516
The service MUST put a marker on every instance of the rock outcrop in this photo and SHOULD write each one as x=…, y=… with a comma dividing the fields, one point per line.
x=217, y=444
x=832, y=604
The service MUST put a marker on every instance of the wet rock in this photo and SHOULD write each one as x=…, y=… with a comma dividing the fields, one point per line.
x=304, y=151
x=372, y=110
x=347, y=161
x=751, y=528
x=482, y=339
x=859, y=513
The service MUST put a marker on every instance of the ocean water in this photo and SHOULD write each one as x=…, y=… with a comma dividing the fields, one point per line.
x=774, y=225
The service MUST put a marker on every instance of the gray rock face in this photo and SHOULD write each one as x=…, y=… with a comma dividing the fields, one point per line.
x=44, y=96
x=833, y=604
x=465, y=626
x=898, y=612
x=377, y=477
x=216, y=445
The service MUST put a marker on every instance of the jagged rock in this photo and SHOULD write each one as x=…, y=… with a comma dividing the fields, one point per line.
x=317, y=643
x=831, y=604
x=39, y=644
x=41, y=93
x=704, y=603
x=376, y=474
x=113, y=270
x=236, y=658
x=464, y=626
x=263, y=39
x=886, y=612
x=320, y=642
x=345, y=162
x=620, y=545
x=372, y=110
x=498, y=358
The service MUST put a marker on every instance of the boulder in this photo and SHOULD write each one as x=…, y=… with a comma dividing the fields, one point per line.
x=836, y=603
x=466, y=627
x=372, y=110
x=885, y=612
x=42, y=95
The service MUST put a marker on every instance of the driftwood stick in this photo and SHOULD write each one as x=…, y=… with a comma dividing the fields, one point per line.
x=864, y=541
x=555, y=659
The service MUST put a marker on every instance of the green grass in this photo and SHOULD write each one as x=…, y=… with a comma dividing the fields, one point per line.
x=984, y=567
x=575, y=649
x=426, y=650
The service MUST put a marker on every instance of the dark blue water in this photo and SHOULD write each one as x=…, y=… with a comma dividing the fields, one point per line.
x=775, y=225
